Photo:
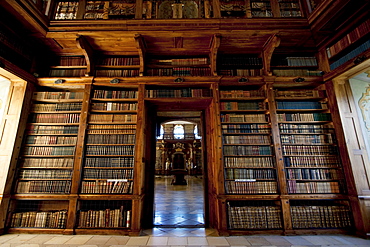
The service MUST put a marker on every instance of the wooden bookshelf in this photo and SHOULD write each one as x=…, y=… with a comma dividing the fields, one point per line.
x=179, y=66
x=110, y=142
x=68, y=66
x=117, y=66
x=271, y=141
x=298, y=173
x=47, y=158
x=308, y=141
x=286, y=66
x=247, y=65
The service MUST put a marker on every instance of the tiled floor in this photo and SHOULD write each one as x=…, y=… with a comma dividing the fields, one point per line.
x=182, y=208
x=180, y=238
x=179, y=205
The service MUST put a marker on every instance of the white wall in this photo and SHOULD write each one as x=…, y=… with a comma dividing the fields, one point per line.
x=4, y=90
x=361, y=94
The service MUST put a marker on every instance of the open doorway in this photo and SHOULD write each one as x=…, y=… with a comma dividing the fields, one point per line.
x=179, y=173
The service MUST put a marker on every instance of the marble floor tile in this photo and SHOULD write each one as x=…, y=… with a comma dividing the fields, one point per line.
x=237, y=241
x=297, y=240
x=58, y=240
x=277, y=240
x=79, y=239
x=138, y=241
x=177, y=241
x=157, y=241
x=217, y=241
x=256, y=240
x=199, y=241
x=98, y=240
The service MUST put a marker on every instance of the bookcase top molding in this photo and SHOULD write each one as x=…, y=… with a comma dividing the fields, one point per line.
x=178, y=43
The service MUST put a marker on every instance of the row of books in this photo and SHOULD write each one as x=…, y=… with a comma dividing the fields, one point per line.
x=289, y=13
x=301, y=105
x=240, y=72
x=57, y=107
x=66, y=10
x=70, y=61
x=45, y=174
x=351, y=54
x=306, y=128
x=251, y=187
x=300, y=93
x=107, y=187
x=181, y=61
x=254, y=217
x=350, y=38
x=46, y=162
x=249, y=162
x=119, y=61
x=237, y=173
x=51, y=186
x=296, y=187
x=111, y=139
x=296, y=72
x=108, y=218
x=67, y=72
x=55, y=118
x=246, y=128
x=49, y=129
x=46, y=140
x=57, y=95
x=242, y=106
x=247, y=150
x=66, y=15
x=109, y=162
x=247, y=139
x=48, y=219
x=304, y=117
x=309, y=150
x=113, y=94
x=47, y=150
x=311, y=161
x=108, y=173
x=306, y=139
x=240, y=118
x=313, y=174
x=258, y=11
x=110, y=106
x=178, y=93
x=117, y=72
x=130, y=128
x=111, y=131
x=295, y=61
x=186, y=71
x=227, y=94
x=110, y=150
x=112, y=118
x=239, y=61
x=321, y=216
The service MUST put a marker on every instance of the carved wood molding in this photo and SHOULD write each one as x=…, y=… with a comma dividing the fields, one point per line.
x=88, y=52
x=214, y=45
x=268, y=50
x=140, y=45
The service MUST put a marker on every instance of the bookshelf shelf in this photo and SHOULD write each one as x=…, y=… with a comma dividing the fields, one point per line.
x=306, y=156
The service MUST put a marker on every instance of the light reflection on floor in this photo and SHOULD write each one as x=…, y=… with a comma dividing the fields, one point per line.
x=179, y=205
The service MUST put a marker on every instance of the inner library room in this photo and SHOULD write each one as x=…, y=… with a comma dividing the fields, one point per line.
x=236, y=117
